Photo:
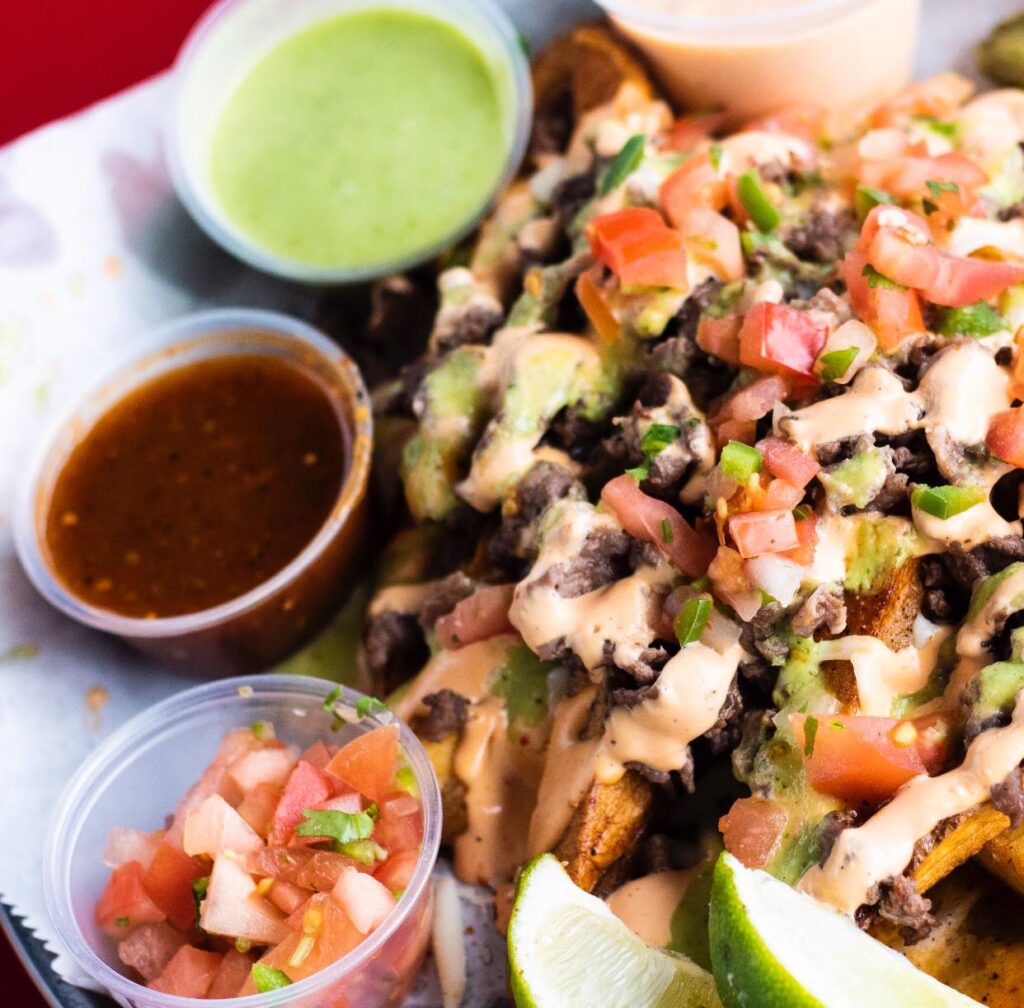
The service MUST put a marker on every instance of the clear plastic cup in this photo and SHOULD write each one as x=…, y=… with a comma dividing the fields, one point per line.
x=262, y=626
x=231, y=38
x=137, y=776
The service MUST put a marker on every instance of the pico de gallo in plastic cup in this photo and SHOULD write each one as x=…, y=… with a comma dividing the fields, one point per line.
x=263, y=840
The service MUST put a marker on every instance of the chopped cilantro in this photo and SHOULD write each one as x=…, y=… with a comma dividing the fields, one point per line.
x=739, y=461
x=876, y=279
x=122, y=922
x=801, y=512
x=262, y=731
x=367, y=705
x=836, y=363
x=267, y=978
x=867, y=198
x=342, y=827
x=406, y=781
x=947, y=501
x=971, y=320
x=946, y=129
x=622, y=165
x=666, y=530
x=656, y=439
x=810, y=732
x=692, y=620
x=937, y=188
x=715, y=153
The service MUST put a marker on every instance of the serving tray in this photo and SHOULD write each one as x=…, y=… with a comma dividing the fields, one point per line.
x=93, y=248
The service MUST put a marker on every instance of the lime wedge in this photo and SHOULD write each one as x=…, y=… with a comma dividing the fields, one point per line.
x=774, y=947
x=568, y=950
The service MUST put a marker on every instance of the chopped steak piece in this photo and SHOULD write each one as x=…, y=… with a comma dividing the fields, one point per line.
x=823, y=237
x=472, y=322
x=649, y=773
x=943, y=599
x=603, y=558
x=552, y=125
x=573, y=193
x=901, y=904
x=831, y=826
x=824, y=607
x=894, y=491
x=443, y=598
x=691, y=309
x=448, y=712
x=726, y=732
x=394, y=648
x=759, y=635
x=1008, y=797
x=830, y=452
x=625, y=697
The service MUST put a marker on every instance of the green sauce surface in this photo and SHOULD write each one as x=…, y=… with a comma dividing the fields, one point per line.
x=362, y=139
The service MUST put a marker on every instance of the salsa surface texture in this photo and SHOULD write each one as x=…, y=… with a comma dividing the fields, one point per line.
x=360, y=140
x=196, y=487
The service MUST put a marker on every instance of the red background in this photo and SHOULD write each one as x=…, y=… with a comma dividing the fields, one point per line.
x=57, y=56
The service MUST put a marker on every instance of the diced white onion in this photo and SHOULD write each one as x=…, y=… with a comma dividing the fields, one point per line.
x=776, y=576
x=448, y=941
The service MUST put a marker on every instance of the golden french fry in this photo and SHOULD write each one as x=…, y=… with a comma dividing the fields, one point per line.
x=978, y=828
x=606, y=826
x=1003, y=855
x=589, y=63
x=978, y=945
x=453, y=791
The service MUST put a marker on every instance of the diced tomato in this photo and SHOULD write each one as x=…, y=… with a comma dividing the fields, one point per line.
x=308, y=869
x=215, y=826
x=657, y=522
x=397, y=871
x=189, y=974
x=639, y=248
x=479, y=616
x=753, y=401
x=721, y=337
x=732, y=584
x=892, y=315
x=269, y=765
x=758, y=532
x=399, y=826
x=596, y=308
x=696, y=183
x=744, y=431
x=787, y=462
x=169, y=881
x=232, y=906
x=807, y=536
x=366, y=901
x=752, y=829
x=125, y=903
x=232, y=973
x=287, y=897
x=317, y=755
x=125, y=844
x=149, y=948
x=1005, y=437
x=898, y=245
x=367, y=763
x=781, y=495
x=713, y=239
x=345, y=801
x=306, y=787
x=783, y=341
x=258, y=807
x=689, y=131
x=336, y=936
x=866, y=759
x=910, y=174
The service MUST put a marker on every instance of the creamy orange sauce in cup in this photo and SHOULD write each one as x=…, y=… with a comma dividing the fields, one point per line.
x=754, y=56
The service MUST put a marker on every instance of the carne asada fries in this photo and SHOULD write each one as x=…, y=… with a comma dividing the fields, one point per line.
x=735, y=420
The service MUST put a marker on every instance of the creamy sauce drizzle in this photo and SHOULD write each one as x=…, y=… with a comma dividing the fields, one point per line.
x=691, y=690
x=646, y=904
x=867, y=855
x=568, y=771
x=882, y=674
x=500, y=774
x=623, y=612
